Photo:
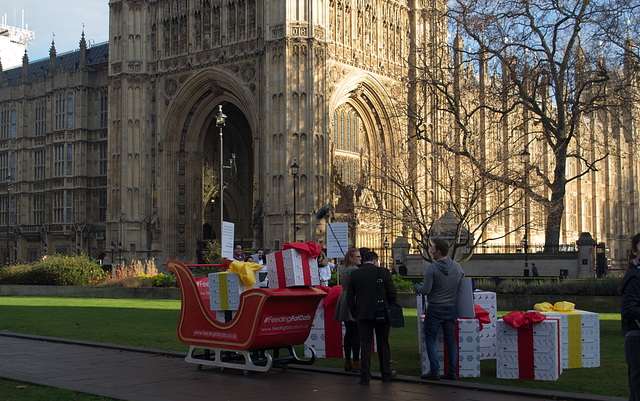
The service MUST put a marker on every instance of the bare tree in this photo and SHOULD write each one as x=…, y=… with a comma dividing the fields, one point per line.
x=417, y=193
x=528, y=78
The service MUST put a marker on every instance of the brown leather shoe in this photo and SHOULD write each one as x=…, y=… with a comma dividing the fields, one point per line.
x=389, y=378
x=347, y=365
x=355, y=366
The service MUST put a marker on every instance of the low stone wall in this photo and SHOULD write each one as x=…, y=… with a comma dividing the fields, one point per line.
x=88, y=292
x=406, y=300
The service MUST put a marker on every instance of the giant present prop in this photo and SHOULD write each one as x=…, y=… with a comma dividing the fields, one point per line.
x=247, y=273
x=467, y=334
x=580, y=339
x=202, y=285
x=487, y=300
x=326, y=334
x=528, y=347
x=224, y=291
x=295, y=265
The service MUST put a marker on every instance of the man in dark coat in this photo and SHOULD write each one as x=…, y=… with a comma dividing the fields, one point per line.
x=362, y=299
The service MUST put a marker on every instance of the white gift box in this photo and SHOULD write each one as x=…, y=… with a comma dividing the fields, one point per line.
x=468, y=348
x=317, y=337
x=488, y=301
x=544, y=358
x=580, y=338
x=224, y=291
x=291, y=268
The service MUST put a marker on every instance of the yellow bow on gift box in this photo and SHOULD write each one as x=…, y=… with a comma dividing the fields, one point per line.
x=562, y=306
x=246, y=271
x=574, y=328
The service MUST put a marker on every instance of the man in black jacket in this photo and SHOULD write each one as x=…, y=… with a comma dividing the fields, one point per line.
x=362, y=299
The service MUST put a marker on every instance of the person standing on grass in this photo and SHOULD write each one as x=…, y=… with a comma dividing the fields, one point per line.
x=362, y=298
x=630, y=318
x=351, y=341
x=441, y=281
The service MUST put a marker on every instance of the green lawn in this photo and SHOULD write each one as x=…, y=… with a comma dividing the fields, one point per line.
x=152, y=324
x=15, y=391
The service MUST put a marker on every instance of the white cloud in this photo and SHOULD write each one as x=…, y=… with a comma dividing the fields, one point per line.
x=62, y=17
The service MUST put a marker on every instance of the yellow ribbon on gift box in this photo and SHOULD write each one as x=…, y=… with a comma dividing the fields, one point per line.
x=224, y=291
x=246, y=271
x=575, y=328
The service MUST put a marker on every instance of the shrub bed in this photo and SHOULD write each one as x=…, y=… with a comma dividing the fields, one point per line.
x=78, y=270
x=606, y=286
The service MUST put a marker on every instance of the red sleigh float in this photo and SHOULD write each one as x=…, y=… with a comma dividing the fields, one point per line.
x=267, y=321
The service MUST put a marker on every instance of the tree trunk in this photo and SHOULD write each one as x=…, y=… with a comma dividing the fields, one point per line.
x=555, y=210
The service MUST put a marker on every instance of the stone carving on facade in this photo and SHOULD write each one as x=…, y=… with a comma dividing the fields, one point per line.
x=248, y=72
x=277, y=31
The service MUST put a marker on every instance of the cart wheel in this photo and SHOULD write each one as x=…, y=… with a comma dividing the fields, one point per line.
x=246, y=373
x=199, y=366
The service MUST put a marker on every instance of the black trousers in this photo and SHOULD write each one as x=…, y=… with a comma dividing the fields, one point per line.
x=366, y=327
x=632, y=355
x=351, y=341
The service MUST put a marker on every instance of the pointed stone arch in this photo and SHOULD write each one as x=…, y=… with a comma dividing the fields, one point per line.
x=372, y=103
x=181, y=141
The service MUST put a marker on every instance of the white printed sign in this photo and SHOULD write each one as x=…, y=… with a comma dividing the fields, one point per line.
x=228, y=231
x=337, y=239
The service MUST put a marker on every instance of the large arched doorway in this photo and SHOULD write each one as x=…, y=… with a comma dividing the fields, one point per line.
x=237, y=174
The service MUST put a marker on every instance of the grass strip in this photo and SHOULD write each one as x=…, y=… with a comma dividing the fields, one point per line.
x=152, y=323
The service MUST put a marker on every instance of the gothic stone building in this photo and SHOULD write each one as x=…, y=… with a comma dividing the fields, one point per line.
x=114, y=151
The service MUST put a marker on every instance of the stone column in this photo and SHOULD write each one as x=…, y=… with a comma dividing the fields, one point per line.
x=586, y=256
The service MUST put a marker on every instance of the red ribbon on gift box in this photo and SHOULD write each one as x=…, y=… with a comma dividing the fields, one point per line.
x=309, y=247
x=524, y=321
x=332, y=329
x=482, y=315
x=308, y=250
x=446, y=352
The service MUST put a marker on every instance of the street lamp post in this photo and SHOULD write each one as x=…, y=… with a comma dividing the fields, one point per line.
x=294, y=172
x=386, y=248
x=119, y=252
x=525, y=240
x=220, y=122
x=113, y=248
x=9, y=182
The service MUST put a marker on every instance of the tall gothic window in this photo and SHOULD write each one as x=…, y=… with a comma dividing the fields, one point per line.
x=69, y=159
x=58, y=207
x=4, y=166
x=58, y=160
x=40, y=119
x=103, y=158
x=4, y=122
x=59, y=112
x=104, y=108
x=38, y=165
x=13, y=122
x=70, y=111
x=347, y=141
x=38, y=209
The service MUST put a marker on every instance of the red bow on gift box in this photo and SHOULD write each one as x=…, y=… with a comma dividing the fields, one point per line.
x=310, y=247
x=482, y=315
x=523, y=320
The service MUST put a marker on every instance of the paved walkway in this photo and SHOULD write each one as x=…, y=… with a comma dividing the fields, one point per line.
x=138, y=374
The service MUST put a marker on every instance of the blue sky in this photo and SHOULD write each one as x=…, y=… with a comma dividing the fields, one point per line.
x=62, y=17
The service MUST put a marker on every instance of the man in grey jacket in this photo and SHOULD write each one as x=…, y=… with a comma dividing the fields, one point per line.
x=441, y=281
